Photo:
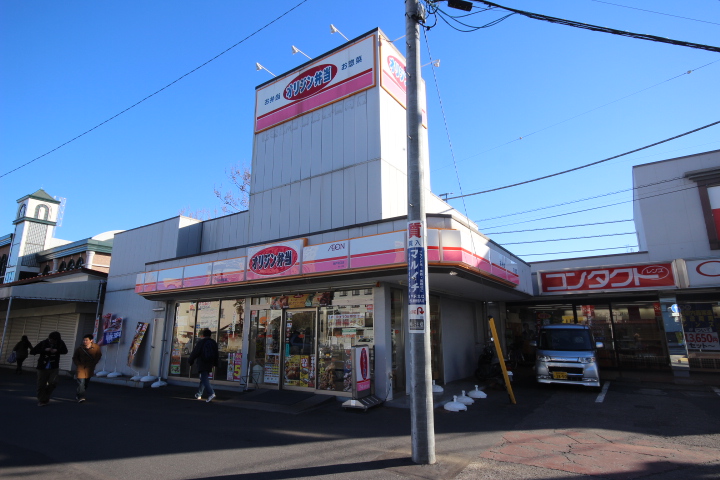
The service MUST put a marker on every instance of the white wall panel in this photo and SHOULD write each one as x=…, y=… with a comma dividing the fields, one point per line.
x=264, y=232
x=375, y=200
x=373, y=123
x=285, y=166
x=337, y=197
x=277, y=159
x=338, y=136
x=281, y=212
x=349, y=199
x=297, y=149
x=316, y=205
x=360, y=128
x=294, y=209
x=307, y=210
x=360, y=176
x=327, y=139
x=316, y=144
x=349, y=154
x=326, y=202
x=306, y=146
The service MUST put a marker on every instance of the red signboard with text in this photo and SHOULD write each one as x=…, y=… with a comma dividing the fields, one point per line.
x=627, y=277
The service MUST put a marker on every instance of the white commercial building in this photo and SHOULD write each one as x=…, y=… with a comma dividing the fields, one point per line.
x=318, y=262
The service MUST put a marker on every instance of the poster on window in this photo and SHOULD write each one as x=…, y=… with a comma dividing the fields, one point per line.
x=234, y=370
x=701, y=327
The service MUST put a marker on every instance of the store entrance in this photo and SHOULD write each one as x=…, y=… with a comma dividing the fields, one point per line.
x=299, y=363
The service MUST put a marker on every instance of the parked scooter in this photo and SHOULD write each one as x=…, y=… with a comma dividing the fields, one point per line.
x=488, y=367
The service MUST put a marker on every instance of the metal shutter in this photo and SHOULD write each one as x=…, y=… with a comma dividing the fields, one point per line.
x=67, y=326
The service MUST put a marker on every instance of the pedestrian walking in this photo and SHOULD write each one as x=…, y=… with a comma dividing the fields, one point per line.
x=48, y=365
x=21, y=349
x=206, y=353
x=86, y=356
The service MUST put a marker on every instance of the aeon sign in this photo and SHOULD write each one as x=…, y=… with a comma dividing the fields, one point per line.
x=310, y=82
x=273, y=260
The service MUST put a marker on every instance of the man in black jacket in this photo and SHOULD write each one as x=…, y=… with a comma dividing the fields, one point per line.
x=48, y=365
x=206, y=353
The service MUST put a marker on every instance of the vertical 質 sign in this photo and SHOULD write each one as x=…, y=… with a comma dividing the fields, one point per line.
x=417, y=286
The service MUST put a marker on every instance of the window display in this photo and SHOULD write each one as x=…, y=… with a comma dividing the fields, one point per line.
x=225, y=321
x=341, y=327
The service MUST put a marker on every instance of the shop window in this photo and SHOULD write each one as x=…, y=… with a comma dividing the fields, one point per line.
x=701, y=323
x=356, y=293
x=340, y=328
x=265, y=342
x=230, y=338
x=3, y=267
x=343, y=293
x=183, y=338
x=367, y=291
x=638, y=335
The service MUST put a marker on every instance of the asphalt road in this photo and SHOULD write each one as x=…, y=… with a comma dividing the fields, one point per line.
x=656, y=431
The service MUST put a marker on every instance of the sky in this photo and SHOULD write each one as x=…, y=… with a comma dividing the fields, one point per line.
x=574, y=96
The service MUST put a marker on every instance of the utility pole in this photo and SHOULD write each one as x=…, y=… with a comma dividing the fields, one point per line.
x=421, y=401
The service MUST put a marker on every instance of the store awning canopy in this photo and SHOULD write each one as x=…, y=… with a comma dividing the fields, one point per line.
x=86, y=291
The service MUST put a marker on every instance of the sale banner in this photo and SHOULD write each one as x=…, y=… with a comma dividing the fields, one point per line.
x=140, y=330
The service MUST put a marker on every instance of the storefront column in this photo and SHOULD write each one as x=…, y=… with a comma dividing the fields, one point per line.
x=675, y=336
x=383, y=342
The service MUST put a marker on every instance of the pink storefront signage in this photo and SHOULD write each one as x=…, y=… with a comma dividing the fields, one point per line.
x=277, y=260
x=327, y=80
x=627, y=277
x=326, y=257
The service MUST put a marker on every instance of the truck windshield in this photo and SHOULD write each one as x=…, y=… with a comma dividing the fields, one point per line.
x=565, y=339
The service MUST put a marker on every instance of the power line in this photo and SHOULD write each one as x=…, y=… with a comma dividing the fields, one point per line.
x=659, y=13
x=594, y=208
x=522, y=137
x=577, y=251
x=556, y=228
x=155, y=93
x=589, y=164
x=579, y=200
x=573, y=238
x=596, y=28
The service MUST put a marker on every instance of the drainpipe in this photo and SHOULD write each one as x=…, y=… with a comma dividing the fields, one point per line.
x=7, y=320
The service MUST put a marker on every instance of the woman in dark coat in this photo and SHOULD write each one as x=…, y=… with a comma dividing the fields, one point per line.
x=21, y=352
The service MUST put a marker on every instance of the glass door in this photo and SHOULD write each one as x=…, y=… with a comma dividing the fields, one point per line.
x=299, y=348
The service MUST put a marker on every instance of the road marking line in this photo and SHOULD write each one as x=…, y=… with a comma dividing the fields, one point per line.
x=716, y=390
x=601, y=396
